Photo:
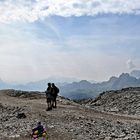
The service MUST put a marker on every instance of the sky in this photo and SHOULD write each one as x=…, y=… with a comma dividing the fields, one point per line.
x=84, y=39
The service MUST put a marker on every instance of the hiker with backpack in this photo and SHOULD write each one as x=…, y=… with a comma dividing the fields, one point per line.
x=55, y=91
x=49, y=97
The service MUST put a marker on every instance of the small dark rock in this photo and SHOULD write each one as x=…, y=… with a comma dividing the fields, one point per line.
x=21, y=116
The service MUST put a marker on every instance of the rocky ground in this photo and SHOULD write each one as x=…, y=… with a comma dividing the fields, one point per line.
x=20, y=111
x=125, y=101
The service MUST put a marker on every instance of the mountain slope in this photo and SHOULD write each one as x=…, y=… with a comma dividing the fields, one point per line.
x=125, y=101
x=69, y=121
x=85, y=89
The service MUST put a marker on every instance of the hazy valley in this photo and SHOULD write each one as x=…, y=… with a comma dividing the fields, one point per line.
x=80, y=89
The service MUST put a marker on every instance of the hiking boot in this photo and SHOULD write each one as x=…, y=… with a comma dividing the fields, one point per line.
x=48, y=109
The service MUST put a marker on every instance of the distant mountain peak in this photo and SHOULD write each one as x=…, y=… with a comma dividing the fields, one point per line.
x=125, y=76
x=84, y=82
x=113, y=78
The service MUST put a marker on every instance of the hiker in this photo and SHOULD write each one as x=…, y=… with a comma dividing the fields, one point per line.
x=55, y=91
x=49, y=97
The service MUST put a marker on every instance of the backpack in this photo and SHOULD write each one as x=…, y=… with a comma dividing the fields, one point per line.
x=56, y=89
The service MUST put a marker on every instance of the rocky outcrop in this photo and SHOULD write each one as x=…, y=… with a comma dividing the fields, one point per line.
x=125, y=101
x=24, y=94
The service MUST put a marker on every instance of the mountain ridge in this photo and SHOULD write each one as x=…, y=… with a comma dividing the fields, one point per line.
x=80, y=89
x=92, y=90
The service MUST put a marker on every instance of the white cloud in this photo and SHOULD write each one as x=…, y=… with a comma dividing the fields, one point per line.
x=130, y=64
x=32, y=10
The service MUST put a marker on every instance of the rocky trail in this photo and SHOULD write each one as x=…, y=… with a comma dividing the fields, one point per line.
x=69, y=121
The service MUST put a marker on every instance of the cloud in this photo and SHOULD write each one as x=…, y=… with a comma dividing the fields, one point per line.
x=130, y=64
x=32, y=10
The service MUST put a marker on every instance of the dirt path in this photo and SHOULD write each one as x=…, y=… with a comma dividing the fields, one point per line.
x=40, y=104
